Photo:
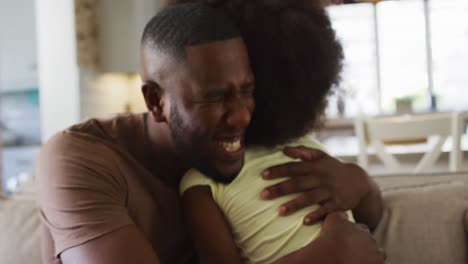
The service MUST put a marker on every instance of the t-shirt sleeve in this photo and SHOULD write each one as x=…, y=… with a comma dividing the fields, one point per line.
x=193, y=178
x=308, y=141
x=82, y=195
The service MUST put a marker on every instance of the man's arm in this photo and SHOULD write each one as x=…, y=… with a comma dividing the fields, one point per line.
x=340, y=241
x=122, y=246
x=369, y=210
x=82, y=199
x=324, y=180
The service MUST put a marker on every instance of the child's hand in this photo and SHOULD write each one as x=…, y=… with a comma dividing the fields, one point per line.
x=322, y=179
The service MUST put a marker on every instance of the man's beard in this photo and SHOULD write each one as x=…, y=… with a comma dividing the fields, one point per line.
x=189, y=152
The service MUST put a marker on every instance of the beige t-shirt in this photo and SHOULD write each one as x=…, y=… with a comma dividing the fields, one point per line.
x=93, y=179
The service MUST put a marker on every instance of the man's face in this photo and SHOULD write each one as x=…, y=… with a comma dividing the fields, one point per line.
x=211, y=106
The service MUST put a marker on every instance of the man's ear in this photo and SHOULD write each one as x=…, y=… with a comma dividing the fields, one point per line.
x=154, y=98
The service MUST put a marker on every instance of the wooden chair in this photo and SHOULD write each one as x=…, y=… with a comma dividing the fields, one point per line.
x=379, y=132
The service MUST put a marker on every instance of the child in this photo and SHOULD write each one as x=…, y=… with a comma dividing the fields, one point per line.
x=296, y=61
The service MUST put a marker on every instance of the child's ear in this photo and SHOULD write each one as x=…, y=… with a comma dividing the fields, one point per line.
x=154, y=98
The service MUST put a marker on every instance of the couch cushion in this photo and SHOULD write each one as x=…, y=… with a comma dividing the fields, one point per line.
x=425, y=224
x=398, y=181
x=19, y=232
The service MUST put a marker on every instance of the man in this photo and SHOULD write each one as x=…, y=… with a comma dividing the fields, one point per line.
x=109, y=188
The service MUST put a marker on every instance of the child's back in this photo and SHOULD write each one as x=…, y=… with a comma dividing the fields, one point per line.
x=260, y=233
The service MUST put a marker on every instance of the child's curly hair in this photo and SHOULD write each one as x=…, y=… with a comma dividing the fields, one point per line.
x=296, y=59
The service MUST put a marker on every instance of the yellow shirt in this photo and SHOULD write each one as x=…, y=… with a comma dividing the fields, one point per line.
x=261, y=234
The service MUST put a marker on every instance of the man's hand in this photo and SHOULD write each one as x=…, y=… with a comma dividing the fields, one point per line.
x=349, y=242
x=323, y=180
x=339, y=241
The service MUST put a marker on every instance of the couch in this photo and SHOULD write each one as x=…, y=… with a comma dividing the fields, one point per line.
x=425, y=221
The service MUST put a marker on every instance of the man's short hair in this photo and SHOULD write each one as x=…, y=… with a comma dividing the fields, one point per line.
x=182, y=25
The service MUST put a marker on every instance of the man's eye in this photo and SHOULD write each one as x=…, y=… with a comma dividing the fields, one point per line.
x=248, y=90
x=213, y=98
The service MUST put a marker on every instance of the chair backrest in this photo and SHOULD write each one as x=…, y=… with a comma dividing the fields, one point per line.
x=377, y=131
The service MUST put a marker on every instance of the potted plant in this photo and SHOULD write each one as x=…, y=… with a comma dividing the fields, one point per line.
x=404, y=105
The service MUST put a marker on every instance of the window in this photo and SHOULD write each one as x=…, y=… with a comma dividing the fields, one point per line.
x=354, y=25
x=449, y=37
x=402, y=41
x=389, y=48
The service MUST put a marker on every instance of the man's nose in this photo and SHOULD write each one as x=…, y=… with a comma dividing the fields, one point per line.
x=239, y=113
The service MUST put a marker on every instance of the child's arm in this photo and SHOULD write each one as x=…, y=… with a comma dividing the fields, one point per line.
x=210, y=232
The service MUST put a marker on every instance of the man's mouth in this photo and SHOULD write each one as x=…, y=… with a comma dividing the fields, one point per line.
x=229, y=154
x=231, y=146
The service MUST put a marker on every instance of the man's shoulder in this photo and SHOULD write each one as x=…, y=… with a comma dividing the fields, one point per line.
x=81, y=156
x=109, y=128
x=74, y=153
x=114, y=131
x=93, y=147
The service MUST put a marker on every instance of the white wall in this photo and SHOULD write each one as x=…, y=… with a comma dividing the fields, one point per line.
x=120, y=24
x=116, y=88
x=58, y=68
x=110, y=93
x=18, y=58
x=69, y=94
